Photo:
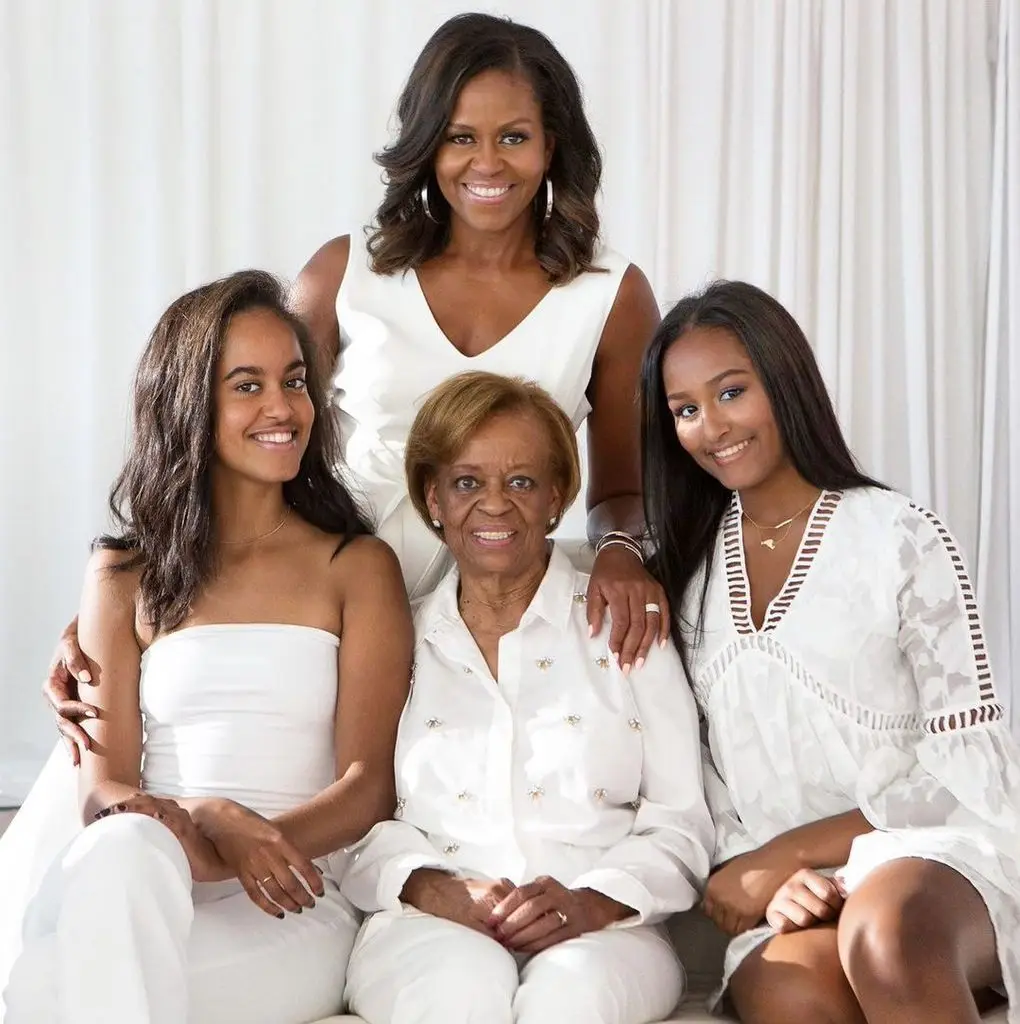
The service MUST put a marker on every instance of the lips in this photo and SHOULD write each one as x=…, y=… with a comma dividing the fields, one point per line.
x=486, y=193
x=274, y=439
x=731, y=452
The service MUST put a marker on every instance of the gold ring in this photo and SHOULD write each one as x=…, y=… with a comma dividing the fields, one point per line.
x=562, y=917
x=268, y=878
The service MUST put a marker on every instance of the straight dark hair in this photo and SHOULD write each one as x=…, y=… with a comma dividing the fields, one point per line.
x=161, y=502
x=684, y=505
x=404, y=237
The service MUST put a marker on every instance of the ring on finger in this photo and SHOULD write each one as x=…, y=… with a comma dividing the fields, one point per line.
x=268, y=878
x=562, y=917
x=652, y=609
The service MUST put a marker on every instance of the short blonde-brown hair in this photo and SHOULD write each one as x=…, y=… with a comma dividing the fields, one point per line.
x=453, y=412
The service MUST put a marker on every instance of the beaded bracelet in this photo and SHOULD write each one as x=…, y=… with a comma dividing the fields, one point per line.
x=632, y=544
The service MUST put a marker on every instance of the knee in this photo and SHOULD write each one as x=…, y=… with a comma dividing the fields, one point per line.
x=127, y=850
x=890, y=945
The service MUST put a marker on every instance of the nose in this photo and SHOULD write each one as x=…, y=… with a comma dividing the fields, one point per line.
x=714, y=424
x=493, y=500
x=275, y=403
x=487, y=157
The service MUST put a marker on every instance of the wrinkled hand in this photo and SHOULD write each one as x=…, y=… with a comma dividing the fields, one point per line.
x=804, y=900
x=206, y=864
x=739, y=892
x=466, y=901
x=620, y=582
x=275, y=874
x=544, y=912
x=67, y=669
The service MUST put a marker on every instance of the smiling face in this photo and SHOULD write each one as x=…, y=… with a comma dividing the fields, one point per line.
x=263, y=412
x=496, y=498
x=495, y=152
x=722, y=414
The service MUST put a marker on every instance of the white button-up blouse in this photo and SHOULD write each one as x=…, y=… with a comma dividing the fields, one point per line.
x=562, y=767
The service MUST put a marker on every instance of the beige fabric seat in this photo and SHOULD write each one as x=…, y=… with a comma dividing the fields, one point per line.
x=701, y=949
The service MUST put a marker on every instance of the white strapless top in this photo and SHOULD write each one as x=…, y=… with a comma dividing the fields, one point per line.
x=239, y=710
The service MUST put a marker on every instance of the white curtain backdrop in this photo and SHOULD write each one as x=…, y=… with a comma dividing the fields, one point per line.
x=860, y=158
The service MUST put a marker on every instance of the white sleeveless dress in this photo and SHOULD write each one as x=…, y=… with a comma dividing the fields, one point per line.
x=393, y=353
x=236, y=710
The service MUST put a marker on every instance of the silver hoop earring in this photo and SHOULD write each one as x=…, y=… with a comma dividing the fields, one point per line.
x=425, y=202
x=548, y=200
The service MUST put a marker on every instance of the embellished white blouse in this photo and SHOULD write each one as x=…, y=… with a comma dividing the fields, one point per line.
x=867, y=686
x=563, y=767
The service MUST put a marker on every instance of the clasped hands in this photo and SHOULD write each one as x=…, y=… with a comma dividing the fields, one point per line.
x=524, y=918
x=223, y=839
x=763, y=887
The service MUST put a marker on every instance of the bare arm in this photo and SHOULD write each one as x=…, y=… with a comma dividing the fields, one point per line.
x=375, y=670
x=614, y=436
x=820, y=844
x=315, y=292
x=111, y=767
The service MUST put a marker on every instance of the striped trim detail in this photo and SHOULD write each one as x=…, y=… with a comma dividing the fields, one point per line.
x=953, y=721
x=736, y=578
x=986, y=687
x=809, y=545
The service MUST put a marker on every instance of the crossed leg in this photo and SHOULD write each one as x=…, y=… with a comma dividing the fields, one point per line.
x=914, y=942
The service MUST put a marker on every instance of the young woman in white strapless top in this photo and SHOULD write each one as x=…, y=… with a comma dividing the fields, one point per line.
x=226, y=763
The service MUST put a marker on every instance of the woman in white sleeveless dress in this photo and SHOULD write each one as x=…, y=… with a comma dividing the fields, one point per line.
x=485, y=256
x=226, y=763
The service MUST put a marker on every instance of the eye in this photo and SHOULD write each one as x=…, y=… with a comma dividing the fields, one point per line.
x=684, y=412
x=297, y=384
x=728, y=394
x=460, y=139
x=515, y=138
x=465, y=483
x=248, y=387
x=521, y=483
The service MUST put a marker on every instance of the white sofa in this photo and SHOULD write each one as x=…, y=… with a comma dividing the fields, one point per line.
x=700, y=946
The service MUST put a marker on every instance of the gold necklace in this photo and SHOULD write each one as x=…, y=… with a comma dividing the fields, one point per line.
x=262, y=536
x=770, y=542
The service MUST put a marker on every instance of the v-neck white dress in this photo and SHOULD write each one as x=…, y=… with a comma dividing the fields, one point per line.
x=867, y=686
x=393, y=353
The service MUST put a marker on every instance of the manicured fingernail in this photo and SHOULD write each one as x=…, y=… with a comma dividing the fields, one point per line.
x=663, y=642
x=591, y=631
x=626, y=669
x=616, y=658
x=91, y=713
x=84, y=676
x=639, y=663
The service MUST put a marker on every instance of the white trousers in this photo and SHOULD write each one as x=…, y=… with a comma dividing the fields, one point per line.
x=412, y=968
x=115, y=934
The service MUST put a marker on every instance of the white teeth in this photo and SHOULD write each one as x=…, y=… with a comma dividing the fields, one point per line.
x=277, y=437
x=727, y=452
x=494, y=536
x=487, y=191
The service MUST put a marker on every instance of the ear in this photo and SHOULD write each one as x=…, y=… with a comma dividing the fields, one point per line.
x=430, y=499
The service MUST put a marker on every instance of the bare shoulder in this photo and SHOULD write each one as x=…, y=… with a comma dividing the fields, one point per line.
x=635, y=313
x=320, y=278
x=368, y=560
x=107, y=574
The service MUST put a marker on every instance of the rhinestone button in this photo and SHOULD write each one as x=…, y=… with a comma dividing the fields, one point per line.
x=544, y=663
x=634, y=724
x=580, y=598
x=433, y=723
x=399, y=810
x=463, y=795
x=536, y=793
x=572, y=719
x=599, y=794
x=602, y=662
x=451, y=848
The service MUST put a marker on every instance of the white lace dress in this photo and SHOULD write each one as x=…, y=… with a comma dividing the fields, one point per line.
x=867, y=686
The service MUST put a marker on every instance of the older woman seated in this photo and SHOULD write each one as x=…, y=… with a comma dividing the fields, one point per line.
x=550, y=811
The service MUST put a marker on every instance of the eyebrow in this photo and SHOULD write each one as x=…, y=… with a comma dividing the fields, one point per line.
x=257, y=371
x=467, y=467
x=717, y=379
x=460, y=126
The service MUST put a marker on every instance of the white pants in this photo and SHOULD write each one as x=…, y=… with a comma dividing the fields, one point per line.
x=115, y=935
x=412, y=968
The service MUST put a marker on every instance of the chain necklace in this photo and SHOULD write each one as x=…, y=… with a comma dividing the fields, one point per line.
x=262, y=536
x=771, y=542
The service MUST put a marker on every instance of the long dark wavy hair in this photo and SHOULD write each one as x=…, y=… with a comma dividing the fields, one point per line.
x=684, y=504
x=461, y=48
x=161, y=502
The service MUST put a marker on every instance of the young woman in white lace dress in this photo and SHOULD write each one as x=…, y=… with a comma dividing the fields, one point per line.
x=864, y=784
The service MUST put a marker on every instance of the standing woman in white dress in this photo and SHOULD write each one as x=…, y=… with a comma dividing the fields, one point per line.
x=865, y=787
x=250, y=644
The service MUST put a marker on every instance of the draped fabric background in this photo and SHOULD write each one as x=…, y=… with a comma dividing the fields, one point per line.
x=859, y=158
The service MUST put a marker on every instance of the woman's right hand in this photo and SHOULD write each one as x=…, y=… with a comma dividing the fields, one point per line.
x=466, y=901
x=67, y=670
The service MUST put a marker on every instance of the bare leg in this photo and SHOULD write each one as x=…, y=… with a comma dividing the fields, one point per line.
x=795, y=977
x=915, y=941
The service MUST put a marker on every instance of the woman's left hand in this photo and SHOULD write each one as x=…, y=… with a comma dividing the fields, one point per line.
x=620, y=581
x=807, y=898
x=274, y=873
x=544, y=912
